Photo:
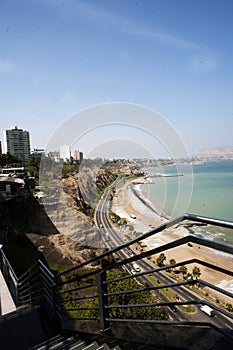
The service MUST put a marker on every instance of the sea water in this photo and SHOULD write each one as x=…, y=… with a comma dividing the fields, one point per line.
x=204, y=189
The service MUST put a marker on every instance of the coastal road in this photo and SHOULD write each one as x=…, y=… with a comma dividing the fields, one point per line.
x=114, y=238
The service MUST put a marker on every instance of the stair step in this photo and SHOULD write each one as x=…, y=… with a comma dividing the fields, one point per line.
x=92, y=346
x=80, y=345
x=47, y=343
x=60, y=342
x=104, y=347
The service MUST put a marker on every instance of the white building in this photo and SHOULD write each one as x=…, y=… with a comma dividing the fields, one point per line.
x=17, y=142
x=65, y=152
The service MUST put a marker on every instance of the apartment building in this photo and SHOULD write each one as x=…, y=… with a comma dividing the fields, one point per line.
x=17, y=143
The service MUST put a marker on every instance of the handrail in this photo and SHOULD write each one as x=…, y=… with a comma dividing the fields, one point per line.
x=208, y=220
x=78, y=292
x=89, y=290
x=9, y=265
x=168, y=224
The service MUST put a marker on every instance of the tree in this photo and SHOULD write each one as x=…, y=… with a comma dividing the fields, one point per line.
x=196, y=272
x=229, y=307
x=183, y=269
x=160, y=260
x=172, y=261
x=6, y=159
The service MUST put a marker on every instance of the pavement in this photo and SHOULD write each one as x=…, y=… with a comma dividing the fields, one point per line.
x=6, y=302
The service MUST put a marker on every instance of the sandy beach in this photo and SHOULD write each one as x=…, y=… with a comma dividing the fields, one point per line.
x=126, y=203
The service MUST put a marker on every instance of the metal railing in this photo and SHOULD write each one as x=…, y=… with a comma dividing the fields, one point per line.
x=103, y=291
x=35, y=287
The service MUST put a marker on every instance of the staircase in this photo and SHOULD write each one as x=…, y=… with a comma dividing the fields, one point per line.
x=27, y=329
x=75, y=309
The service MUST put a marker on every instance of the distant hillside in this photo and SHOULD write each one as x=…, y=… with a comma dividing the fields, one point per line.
x=225, y=152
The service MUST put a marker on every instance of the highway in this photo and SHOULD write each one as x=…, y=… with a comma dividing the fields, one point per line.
x=113, y=238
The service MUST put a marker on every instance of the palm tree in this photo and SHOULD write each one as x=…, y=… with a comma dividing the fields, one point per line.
x=183, y=269
x=196, y=272
x=160, y=260
x=172, y=261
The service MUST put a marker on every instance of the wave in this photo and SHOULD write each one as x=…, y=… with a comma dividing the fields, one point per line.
x=138, y=193
x=148, y=207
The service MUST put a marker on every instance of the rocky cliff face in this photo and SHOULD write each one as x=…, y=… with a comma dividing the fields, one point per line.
x=73, y=204
x=62, y=223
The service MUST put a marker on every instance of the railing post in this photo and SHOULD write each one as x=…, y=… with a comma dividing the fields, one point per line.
x=1, y=259
x=103, y=300
x=30, y=286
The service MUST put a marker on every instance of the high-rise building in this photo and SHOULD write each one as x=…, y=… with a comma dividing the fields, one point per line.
x=17, y=143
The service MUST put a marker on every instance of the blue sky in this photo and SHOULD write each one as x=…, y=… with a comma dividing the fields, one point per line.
x=58, y=57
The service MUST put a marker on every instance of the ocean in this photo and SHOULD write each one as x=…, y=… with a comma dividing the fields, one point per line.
x=204, y=189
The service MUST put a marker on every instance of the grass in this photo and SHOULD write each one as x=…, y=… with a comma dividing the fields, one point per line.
x=171, y=295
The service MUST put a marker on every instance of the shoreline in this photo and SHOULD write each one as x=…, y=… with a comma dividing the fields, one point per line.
x=128, y=201
x=146, y=203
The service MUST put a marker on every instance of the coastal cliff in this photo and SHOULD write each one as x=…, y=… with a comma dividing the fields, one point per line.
x=62, y=233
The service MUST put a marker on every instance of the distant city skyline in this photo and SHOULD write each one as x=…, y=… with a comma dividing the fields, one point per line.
x=61, y=57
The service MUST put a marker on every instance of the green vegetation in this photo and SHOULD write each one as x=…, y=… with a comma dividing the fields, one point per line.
x=104, y=181
x=196, y=272
x=171, y=262
x=33, y=168
x=229, y=307
x=89, y=307
x=160, y=260
x=8, y=159
x=183, y=269
x=67, y=169
x=171, y=295
x=114, y=217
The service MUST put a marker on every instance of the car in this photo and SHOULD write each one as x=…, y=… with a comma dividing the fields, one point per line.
x=133, y=271
x=136, y=267
x=101, y=225
x=173, y=308
x=133, y=216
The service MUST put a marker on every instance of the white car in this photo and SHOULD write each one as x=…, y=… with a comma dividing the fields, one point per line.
x=133, y=216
